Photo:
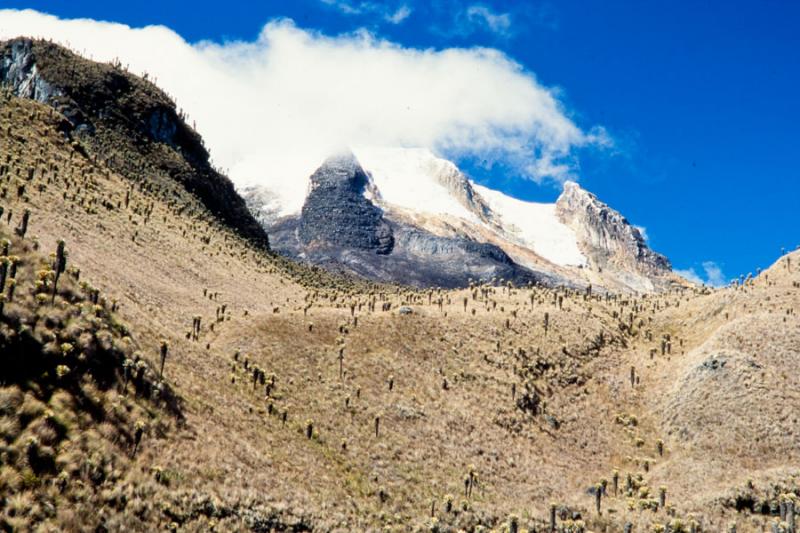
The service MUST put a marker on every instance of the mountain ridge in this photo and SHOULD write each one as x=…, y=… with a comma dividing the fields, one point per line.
x=125, y=117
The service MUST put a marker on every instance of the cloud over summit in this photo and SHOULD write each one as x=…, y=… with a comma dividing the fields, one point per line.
x=271, y=110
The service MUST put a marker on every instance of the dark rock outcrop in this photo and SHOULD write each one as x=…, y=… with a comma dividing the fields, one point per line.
x=336, y=213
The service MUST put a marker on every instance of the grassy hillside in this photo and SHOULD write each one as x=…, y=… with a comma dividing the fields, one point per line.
x=295, y=400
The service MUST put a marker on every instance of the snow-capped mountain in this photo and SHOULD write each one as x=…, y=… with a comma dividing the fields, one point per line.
x=405, y=215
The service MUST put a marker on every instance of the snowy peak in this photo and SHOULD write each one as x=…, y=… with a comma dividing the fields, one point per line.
x=415, y=207
x=606, y=237
x=345, y=226
x=416, y=181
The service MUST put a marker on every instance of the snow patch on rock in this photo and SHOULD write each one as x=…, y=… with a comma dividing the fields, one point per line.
x=412, y=178
x=536, y=226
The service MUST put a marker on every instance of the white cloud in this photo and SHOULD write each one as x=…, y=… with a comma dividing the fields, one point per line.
x=401, y=14
x=643, y=233
x=348, y=8
x=691, y=275
x=499, y=23
x=388, y=14
x=271, y=110
x=714, y=277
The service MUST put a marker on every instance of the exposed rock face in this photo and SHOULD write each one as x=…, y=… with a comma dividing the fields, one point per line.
x=337, y=213
x=605, y=236
x=19, y=71
x=108, y=110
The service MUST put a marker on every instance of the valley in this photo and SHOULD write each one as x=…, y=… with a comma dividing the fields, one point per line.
x=294, y=398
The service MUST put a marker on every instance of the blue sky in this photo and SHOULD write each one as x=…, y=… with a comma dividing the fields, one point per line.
x=699, y=99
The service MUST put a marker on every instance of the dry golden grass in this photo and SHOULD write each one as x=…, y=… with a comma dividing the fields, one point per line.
x=456, y=378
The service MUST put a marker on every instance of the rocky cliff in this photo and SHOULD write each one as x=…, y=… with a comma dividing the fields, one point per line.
x=605, y=236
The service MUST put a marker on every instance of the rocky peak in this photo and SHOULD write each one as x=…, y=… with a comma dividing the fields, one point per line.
x=605, y=236
x=336, y=212
x=451, y=178
x=341, y=170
